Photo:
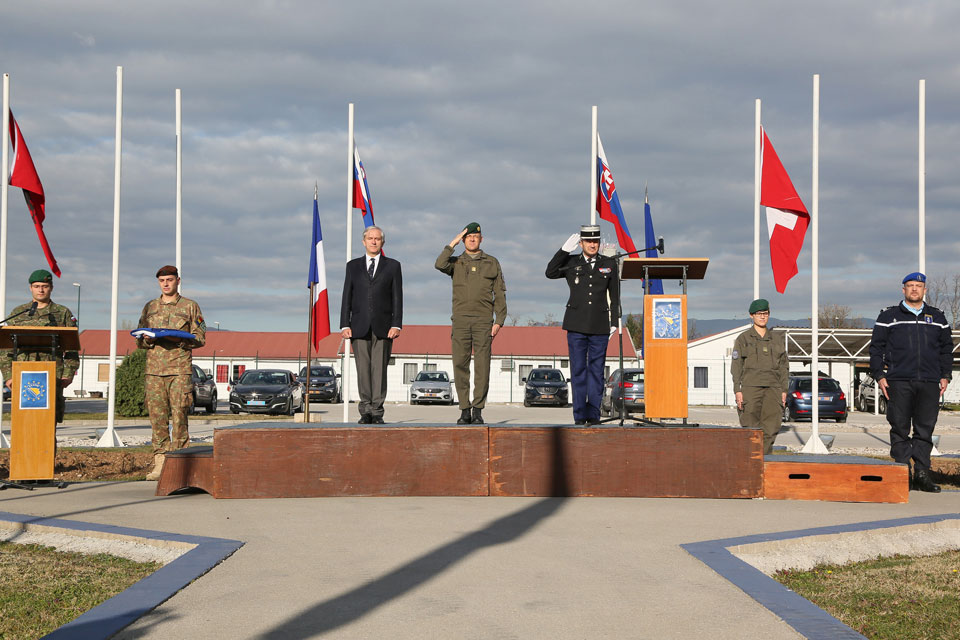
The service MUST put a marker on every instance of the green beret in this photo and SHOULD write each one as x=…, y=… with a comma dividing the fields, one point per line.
x=41, y=275
x=473, y=227
x=759, y=305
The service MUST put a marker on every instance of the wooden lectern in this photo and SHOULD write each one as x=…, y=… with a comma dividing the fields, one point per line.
x=665, y=333
x=33, y=401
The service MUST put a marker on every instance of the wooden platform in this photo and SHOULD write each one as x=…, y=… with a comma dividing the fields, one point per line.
x=284, y=460
x=836, y=478
x=290, y=460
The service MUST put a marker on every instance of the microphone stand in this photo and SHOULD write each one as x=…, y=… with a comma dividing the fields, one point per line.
x=619, y=314
x=32, y=309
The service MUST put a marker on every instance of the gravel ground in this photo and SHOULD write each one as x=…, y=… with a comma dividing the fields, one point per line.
x=136, y=549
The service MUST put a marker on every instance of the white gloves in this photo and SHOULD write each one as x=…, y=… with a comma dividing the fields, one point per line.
x=571, y=242
x=613, y=330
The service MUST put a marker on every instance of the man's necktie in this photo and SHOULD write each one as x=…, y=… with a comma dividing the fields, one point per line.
x=373, y=264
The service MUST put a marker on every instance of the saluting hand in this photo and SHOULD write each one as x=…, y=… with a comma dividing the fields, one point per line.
x=571, y=242
x=458, y=238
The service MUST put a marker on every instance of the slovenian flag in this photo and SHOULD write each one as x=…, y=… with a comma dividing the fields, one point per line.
x=787, y=218
x=320, y=314
x=361, y=190
x=608, y=202
x=23, y=174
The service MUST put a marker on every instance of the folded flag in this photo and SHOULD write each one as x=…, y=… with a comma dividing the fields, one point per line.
x=162, y=333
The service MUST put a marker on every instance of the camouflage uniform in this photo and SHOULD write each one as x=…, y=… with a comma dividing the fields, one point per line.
x=52, y=315
x=168, y=385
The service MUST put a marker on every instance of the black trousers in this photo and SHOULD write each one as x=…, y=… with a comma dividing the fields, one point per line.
x=917, y=402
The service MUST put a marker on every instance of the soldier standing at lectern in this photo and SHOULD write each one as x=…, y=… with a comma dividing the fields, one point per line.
x=589, y=320
x=761, y=373
x=46, y=314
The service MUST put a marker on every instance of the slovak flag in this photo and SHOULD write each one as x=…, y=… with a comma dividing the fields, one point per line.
x=787, y=218
x=361, y=190
x=23, y=174
x=317, y=279
x=608, y=202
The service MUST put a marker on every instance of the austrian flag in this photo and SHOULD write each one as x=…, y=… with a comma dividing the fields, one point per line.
x=787, y=218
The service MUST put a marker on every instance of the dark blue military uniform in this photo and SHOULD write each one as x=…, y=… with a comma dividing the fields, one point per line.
x=587, y=321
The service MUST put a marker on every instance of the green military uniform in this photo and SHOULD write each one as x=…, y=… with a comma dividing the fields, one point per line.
x=52, y=315
x=761, y=372
x=479, y=294
x=168, y=384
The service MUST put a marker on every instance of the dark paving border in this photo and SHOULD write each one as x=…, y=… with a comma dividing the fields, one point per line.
x=801, y=614
x=145, y=595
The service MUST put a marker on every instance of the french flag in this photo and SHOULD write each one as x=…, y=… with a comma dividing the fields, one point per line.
x=361, y=190
x=608, y=202
x=787, y=218
x=317, y=279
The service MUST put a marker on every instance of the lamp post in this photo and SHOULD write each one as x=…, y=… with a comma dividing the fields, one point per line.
x=218, y=325
x=77, y=285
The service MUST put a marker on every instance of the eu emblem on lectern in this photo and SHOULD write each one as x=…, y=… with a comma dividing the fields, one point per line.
x=34, y=390
x=667, y=318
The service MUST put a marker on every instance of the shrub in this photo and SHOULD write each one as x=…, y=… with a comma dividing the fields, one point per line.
x=129, y=394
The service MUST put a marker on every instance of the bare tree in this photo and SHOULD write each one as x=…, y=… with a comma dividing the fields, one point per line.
x=944, y=293
x=838, y=316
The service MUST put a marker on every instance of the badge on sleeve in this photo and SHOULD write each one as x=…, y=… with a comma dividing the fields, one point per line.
x=928, y=318
x=735, y=354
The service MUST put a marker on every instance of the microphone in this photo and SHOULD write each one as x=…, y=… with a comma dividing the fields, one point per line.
x=33, y=309
x=660, y=245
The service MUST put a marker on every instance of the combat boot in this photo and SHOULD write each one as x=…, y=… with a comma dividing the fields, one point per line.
x=464, y=417
x=477, y=416
x=157, y=467
x=923, y=482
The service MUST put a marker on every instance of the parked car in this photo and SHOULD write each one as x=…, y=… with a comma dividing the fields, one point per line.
x=266, y=391
x=866, y=394
x=204, y=390
x=431, y=386
x=623, y=388
x=324, y=386
x=545, y=386
x=832, y=403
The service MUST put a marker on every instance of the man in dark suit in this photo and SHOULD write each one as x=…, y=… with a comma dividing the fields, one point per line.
x=371, y=315
x=589, y=320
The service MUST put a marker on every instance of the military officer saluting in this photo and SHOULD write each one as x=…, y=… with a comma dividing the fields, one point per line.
x=47, y=314
x=479, y=310
x=589, y=320
x=760, y=375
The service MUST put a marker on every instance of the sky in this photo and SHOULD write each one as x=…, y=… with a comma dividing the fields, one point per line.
x=475, y=112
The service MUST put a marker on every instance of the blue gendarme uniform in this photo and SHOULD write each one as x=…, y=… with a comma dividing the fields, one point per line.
x=587, y=321
x=913, y=352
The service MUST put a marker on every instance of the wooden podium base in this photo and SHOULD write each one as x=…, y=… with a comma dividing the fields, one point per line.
x=33, y=415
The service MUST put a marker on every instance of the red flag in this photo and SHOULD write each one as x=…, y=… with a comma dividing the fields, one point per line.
x=24, y=175
x=787, y=218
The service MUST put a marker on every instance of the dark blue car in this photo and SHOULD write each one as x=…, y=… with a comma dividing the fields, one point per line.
x=833, y=402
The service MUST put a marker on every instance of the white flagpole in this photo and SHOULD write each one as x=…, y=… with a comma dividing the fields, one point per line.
x=345, y=374
x=922, y=176
x=756, y=202
x=814, y=444
x=109, y=437
x=3, y=194
x=593, y=165
x=179, y=129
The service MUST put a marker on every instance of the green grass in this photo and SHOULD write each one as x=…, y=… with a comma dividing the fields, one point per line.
x=898, y=598
x=42, y=589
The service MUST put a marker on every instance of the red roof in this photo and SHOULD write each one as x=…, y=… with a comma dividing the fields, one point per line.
x=417, y=339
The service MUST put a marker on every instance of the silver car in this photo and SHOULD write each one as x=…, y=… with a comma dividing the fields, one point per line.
x=431, y=386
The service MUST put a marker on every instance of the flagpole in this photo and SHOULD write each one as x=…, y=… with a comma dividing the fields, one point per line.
x=109, y=437
x=345, y=374
x=814, y=444
x=179, y=128
x=756, y=202
x=306, y=393
x=3, y=194
x=593, y=165
x=922, y=176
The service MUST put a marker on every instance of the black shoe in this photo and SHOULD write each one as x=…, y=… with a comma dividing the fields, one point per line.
x=365, y=419
x=377, y=420
x=579, y=422
x=477, y=418
x=591, y=421
x=922, y=482
x=464, y=417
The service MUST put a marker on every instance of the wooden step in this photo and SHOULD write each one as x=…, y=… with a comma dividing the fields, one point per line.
x=190, y=467
x=835, y=478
